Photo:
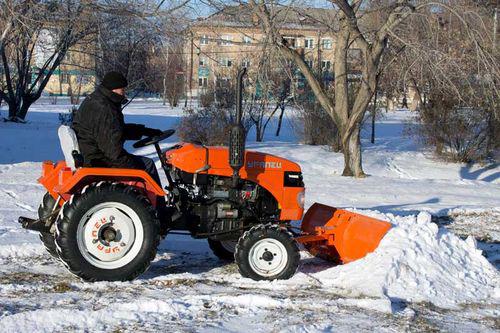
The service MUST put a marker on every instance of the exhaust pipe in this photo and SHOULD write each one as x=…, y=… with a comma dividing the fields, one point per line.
x=237, y=134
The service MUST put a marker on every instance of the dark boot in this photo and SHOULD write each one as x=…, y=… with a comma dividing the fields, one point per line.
x=164, y=216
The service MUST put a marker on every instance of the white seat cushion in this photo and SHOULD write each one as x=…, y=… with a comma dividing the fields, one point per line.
x=69, y=143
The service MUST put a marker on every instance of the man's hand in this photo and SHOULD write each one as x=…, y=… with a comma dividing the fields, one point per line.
x=151, y=132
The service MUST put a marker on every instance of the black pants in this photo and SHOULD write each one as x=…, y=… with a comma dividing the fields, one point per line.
x=149, y=166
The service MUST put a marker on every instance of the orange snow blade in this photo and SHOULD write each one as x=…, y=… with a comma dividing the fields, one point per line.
x=339, y=235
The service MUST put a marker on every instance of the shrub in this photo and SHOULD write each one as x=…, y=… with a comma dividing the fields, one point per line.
x=318, y=127
x=209, y=126
x=457, y=133
x=207, y=98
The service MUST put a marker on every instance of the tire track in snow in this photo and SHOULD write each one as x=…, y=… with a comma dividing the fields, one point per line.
x=391, y=164
x=17, y=202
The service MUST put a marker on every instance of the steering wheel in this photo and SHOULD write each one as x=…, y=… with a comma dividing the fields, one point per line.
x=151, y=140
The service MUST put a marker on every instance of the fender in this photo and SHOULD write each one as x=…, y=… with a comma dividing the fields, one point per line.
x=61, y=181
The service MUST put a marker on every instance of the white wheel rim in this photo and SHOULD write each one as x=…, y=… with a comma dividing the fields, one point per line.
x=229, y=245
x=268, y=257
x=116, y=253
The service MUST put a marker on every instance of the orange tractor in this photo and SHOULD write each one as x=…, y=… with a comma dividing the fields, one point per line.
x=103, y=223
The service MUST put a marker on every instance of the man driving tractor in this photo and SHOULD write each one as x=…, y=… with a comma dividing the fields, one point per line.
x=101, y=130
x=104, y=220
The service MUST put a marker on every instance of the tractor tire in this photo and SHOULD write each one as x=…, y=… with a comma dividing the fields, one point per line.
x=267, y=252
x=224, y=250
x=108, y=232
x=47, y=238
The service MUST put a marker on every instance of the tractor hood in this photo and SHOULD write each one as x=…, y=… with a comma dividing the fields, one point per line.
x=192, y=158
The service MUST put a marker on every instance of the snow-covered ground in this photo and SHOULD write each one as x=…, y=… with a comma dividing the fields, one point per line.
x=424, y=276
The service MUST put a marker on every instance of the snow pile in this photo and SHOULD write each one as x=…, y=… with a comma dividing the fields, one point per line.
x=417, y=262
x=24, y=250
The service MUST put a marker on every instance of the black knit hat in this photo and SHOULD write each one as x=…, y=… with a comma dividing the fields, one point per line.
x=114, y=80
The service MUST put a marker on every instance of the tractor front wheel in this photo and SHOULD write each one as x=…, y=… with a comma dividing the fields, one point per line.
x=108, y=232
x=267, y=252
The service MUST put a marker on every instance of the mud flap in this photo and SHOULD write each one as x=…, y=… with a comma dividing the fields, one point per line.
x=339, y=235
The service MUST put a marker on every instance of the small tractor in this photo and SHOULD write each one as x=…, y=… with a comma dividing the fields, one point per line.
x=103, y=223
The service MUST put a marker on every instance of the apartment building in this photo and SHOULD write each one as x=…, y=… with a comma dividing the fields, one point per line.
x=217, y=46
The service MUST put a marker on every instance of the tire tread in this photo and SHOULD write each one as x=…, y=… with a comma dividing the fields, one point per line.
x=72, y=206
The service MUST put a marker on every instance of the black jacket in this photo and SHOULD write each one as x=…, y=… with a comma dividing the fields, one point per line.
x=101, y=131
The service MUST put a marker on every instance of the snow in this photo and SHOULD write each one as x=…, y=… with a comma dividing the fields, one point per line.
x=418, y=263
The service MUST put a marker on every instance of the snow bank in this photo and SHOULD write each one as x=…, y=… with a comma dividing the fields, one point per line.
x=418, y=262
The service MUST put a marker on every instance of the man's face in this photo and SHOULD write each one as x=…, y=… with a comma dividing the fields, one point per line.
x=119, y=91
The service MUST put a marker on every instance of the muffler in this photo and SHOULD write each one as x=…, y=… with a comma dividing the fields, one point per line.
x=237, y=134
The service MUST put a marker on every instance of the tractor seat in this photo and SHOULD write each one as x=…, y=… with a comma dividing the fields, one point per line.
x=69, y=147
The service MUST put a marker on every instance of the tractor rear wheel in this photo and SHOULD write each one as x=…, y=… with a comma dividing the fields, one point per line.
x=47, y=238
x=108, y=232
x=224, y=250
x=267, y=252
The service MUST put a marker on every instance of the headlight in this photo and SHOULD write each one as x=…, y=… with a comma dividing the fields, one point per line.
x=301, y=198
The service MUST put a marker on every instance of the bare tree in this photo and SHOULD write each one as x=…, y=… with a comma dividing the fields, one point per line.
x=39, y=35
x=282, y=93
x=141, y=40
x=164, y=73
x=345, y=23
x=451, y=63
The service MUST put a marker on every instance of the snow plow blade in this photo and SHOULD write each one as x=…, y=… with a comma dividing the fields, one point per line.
x=339, y=235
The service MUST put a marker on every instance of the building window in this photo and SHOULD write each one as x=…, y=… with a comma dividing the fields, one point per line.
x=290, y=41
x=327, y=44
x=202, y=62
x=310, y=63
x=203, y=82
x=64, y=78
x=326, y=65
x=225, y=40
x=226, y=62
x=247, y=40
x=245, y=63
x=309, y=43
x=204, y=40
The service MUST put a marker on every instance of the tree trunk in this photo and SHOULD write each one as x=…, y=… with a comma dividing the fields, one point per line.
x=352, y=154
x=280, y=119
x=258, y=133
x=164, y=90
x=374, y=114
x=23, y=110
x=12, y=110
